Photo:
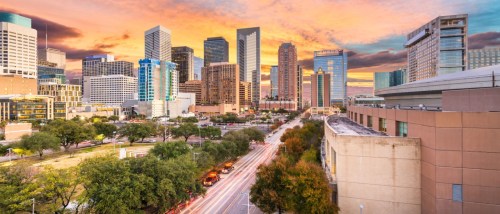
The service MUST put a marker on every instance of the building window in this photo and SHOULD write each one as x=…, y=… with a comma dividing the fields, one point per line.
x=381, y=125
x=457, y=192
x=369, y=121
x=401, y=129
x=356, y=117
x=361, y=119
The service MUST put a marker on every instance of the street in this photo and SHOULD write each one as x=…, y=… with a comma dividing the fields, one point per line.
x=230, y=194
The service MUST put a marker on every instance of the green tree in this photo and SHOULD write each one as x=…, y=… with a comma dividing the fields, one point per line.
x=170, y=150
x=254, y=134
x=17, y=188
x=185, y=130
x=113, y=118
x=137, y=131
x=164, y=131
x=70, y=132
x=105, y=128
x=190, y=120
x=59, y=187
x=211, y=132
x=40, y=141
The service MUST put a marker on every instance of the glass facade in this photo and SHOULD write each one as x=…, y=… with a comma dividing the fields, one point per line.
x=183, y=57
x=335, y=63
x=157, y=80
x=15, y=19
x=401, y=129
x=216, y=49
x=198, y=64
x=487, y=56
x=389, y=79
x=274, y=81
x=320, y=91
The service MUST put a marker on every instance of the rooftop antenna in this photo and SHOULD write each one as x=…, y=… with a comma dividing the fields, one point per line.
x=46, y=44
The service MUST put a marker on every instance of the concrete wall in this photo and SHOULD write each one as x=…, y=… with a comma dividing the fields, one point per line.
x=472, y=100
x=460, y=148
x=380, y=173
x=15, y=84
x=14, y=131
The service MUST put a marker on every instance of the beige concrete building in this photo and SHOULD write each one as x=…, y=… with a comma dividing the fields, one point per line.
x=213, y=110
x=14, y=131
x=69, y=94
x=220, y=84
x=371, y=171
x=26, y=107
x=192, y=86
x=245, y=95
x=16, y=84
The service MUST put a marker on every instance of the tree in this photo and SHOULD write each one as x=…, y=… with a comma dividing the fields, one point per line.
x=295, y=147
x=137, y=131
x=17, y=188
x=170, y=150
x=254, y=134
x=164, y=131
x=185, y=130
x=113, y=118
x=270, y=193
x=40, y=141
x=211, y=132
x=106, y=129
x=190, y=120
x=59, y=187
x=70, y=132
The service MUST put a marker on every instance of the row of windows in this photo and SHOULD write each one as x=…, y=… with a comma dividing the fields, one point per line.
x=401, y=127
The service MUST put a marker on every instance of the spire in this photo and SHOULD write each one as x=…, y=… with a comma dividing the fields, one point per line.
x=46, y=43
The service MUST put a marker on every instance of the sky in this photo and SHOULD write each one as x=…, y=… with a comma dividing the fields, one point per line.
x=373, y=32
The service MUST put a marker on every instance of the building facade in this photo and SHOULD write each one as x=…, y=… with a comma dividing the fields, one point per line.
x=220, y=84
x=16, y=84
x=248, y=51
x=300, y=92
x=215, y=49
x=184, y=58
x=157, y=43
x=287, y=72
x=66, y=93
x=192, y=86
x=320, y=88
x=26, y=107
x=334, y=62
x=52, y=55
x=245, y=95
x=389, y=79
x=438, y=47
x=45, y=73
x=198, y=64
x=19, y=46
x=487, y=56
x=98, y=65
x=274, y=81
x=110, y=90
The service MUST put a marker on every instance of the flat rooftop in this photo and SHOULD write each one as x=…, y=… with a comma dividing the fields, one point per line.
x=344, y=126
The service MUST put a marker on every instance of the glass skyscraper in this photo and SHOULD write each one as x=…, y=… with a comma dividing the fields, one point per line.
x=248, y=51
x=157, y=43
x=389, y=79
x=216, y=49
x=183, y=57
x=334, y=62
x=198, y=64
x=274, y=81
x=157, y=80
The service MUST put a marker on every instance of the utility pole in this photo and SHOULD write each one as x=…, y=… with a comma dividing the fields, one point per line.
x=33, y=209
x=10, y=154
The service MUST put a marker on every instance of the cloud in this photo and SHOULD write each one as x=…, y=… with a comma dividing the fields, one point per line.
x=307, y=63
x=480, y=40
x=360, y=60
x=265, y=77
x=78, y=54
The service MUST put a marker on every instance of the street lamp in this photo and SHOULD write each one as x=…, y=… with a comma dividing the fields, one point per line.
x=361, y=208
x=114, y=141
x=10, y=154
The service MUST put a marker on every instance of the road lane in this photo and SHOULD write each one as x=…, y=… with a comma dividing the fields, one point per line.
x=226, y=195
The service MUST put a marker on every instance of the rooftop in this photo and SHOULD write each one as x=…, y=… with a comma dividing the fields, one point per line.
x=344, y=126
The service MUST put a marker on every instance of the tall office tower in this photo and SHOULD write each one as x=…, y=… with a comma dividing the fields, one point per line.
x=216, y=49
x=287, y=72
x=99, y=65
x=183, y=57
x=220, y=84
x=192, y=86
x=438, y=47
x=274, y=81
x=389, y=79
x=198, y=64
x=110, y=90
x=158, y=84
x=18, y=46
x=248, y=50
x=157, y=43
x=245, y=95
x=51, y=55
x=335, y=63
x=487, y=56
x=320, y=88
x=299, y=86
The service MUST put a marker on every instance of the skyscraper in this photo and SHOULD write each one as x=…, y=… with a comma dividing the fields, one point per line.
x=299, y=86
x=274, y=81
x=18, y=50
x=111, y=90
x=52, y=55
x=389, y=79
x=335, y=63
x=438, y=47
x=220, y=84
x=248, y=50
x=183, y=57
x=198, y=64
x=320, y=88
x=487, y=56
x=287, y=72
x=157, y=43
x=216, y=49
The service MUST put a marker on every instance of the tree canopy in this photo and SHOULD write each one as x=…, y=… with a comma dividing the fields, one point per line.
x=40, y=141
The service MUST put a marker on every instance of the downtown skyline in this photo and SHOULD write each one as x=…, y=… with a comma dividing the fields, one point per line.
x=370, y=33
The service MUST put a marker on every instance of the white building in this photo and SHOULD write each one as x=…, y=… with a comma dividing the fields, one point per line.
x=18, y=46
x=248, y=51
x=157, y=43
x=53, y=56
x=111, y=90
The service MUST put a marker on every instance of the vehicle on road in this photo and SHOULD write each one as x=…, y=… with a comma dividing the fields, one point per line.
x=211, y=179
x=228, y=167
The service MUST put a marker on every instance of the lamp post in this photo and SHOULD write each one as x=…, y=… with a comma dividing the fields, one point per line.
x=10, y=154
x=114, y=141
x=33, y=209
x=199, y=133
x=361, y=208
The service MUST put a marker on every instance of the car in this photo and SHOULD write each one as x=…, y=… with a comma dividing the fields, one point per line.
x=211, y=179
x=228, y=167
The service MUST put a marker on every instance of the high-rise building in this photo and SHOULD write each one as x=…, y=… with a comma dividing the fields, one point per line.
x=487, y=56
x=216, y=49
x=245, y=95
x=45, y=73
x=69, y=94
x=274, y=81
x=192, y=86
x=52, y=55
x=220, y=84
x=198, y=64
x=110, y=90
x=287, y=72
x=18, y=46
x=320, y=88
x=299, y=86
x=335, y=63
x=183, y=57
x=389, y=79
x=16, y=84
x=157, y=43
x=438, y=47
x=248, y=50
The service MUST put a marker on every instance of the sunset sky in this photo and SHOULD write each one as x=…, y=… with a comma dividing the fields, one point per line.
x=372, y=31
